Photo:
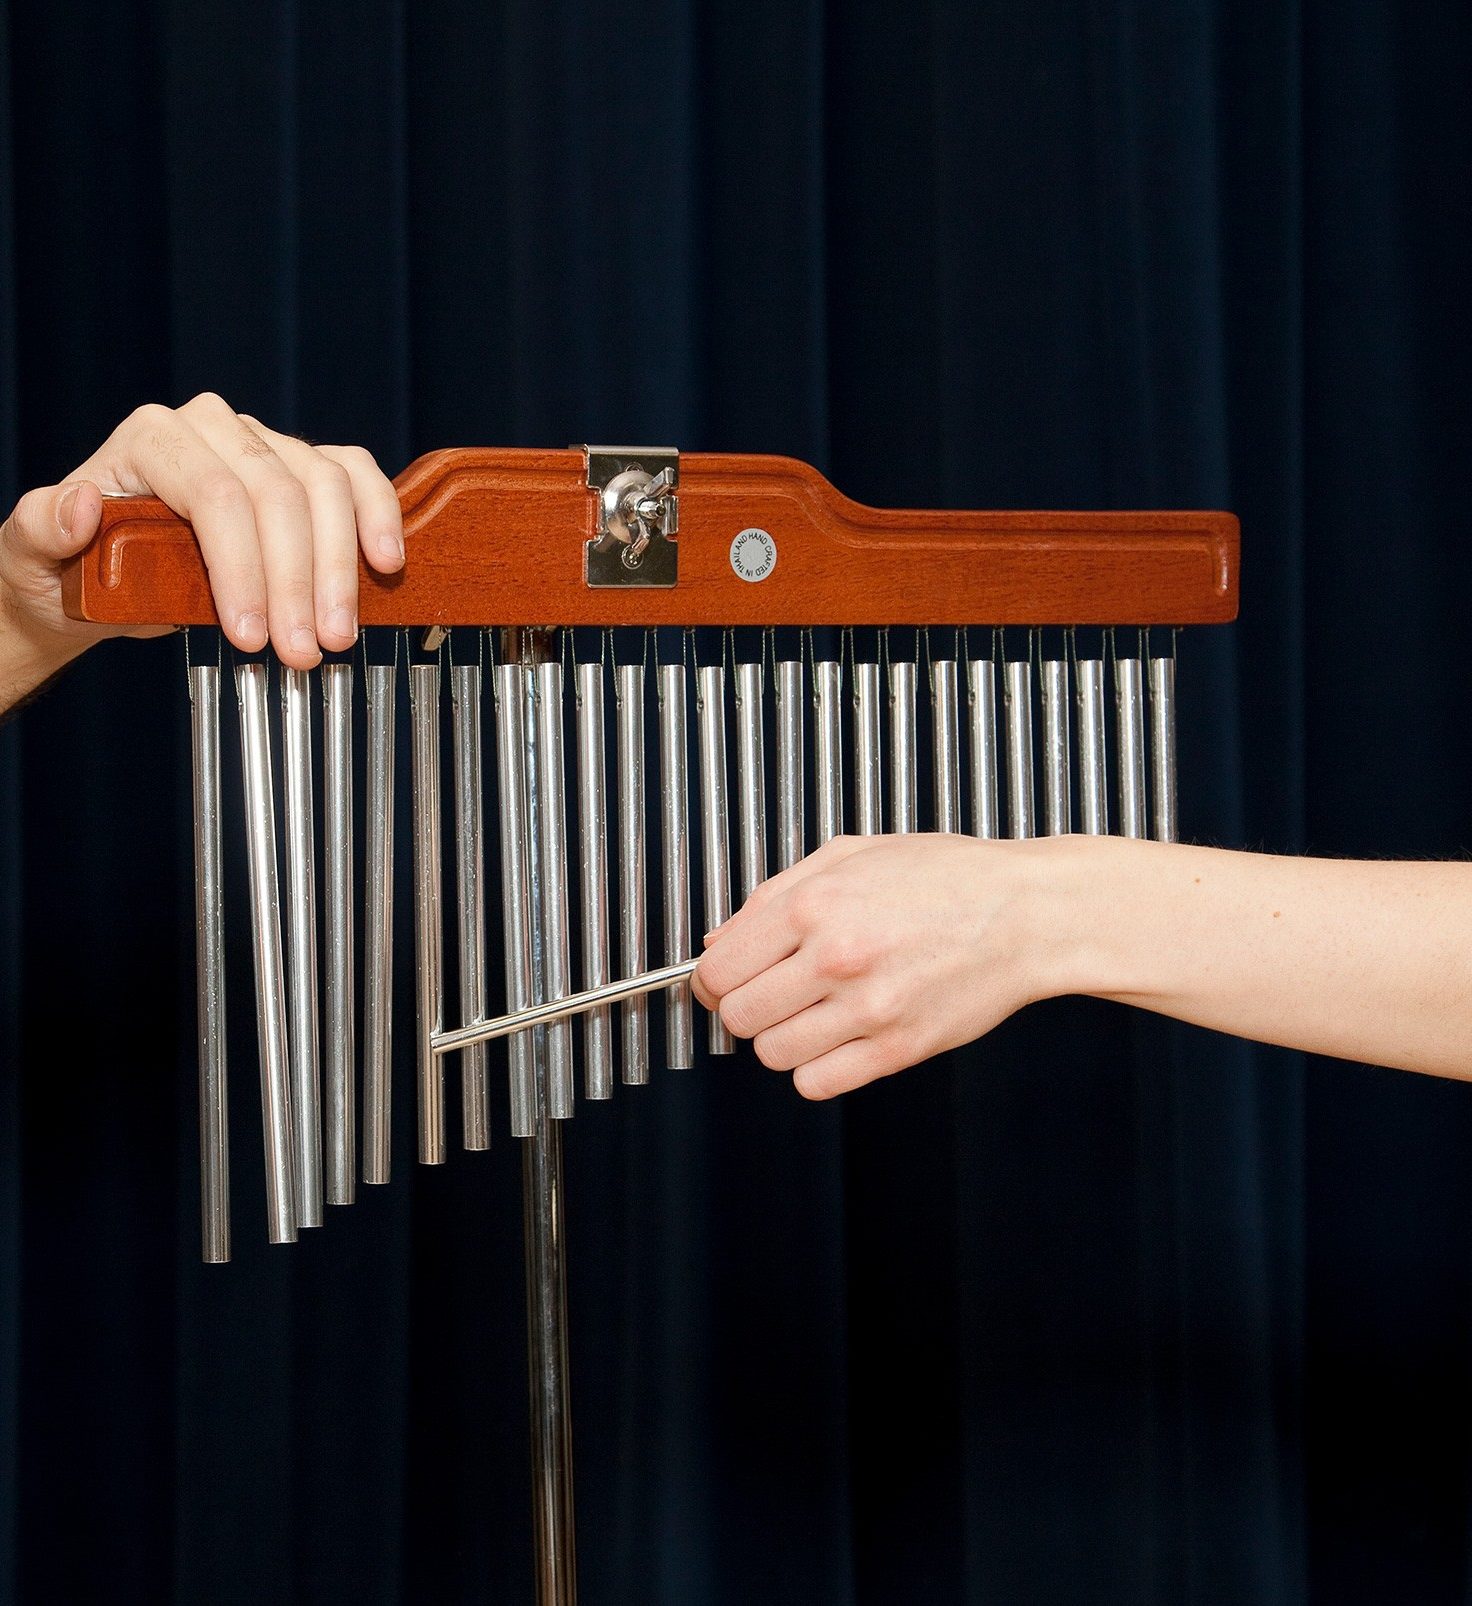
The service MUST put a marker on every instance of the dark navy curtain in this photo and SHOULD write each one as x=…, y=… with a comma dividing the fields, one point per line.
x=1097, y=1311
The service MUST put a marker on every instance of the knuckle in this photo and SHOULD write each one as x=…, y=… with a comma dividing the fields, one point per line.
x=209, y=403
x=878, y=1006
x=329, y=476
x=150, y=415
x=219, y=491
x=285, y=494
x=842, y=956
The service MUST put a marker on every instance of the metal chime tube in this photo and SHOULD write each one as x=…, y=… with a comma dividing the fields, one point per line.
x=424, y=720
x=946, y=744
x=868, y=766
x=1021, y=820
x=1130, y=703
x=982, y=693
x=340, y=1123
x=516, y=893
x=710, y=699
x=470, y=896
x=1163, y=747
x=751, y=777
x=209, y=938
x=633, y=938
x=265, y=911
x=593, y=883
x=1057, y=782
x=828, y=747
x=902, y=766
x=1093, y=766
x=675, y=846
x=552, y=847
x=378, y=925
x=301, y=945
x=790, y=827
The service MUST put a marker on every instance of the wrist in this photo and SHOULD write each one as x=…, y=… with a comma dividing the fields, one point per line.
x=29, y=657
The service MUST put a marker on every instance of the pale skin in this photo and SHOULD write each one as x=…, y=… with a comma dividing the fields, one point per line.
x=877, y=952
x=280, y=524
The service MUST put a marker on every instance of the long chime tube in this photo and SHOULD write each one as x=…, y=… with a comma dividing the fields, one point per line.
x=516, y=897
x=1093, y=764
x=1021, y=820
x=593, y=882
x=301, y=946
x=338, y=1048
x=868, y=765
x=828, y=747
x=265, y=910
x=790, y=825
x=946, y=745
x=632, y=892
x=715, y=847
x=902, y=759
x=1163, y=747
x=552, y=854
x=209, y=937
x=751, y=778
x=1057, y=779
x=982, y=699
x=470, y=896
x=675, y=847
x=1130, y=700
x=424, y=719
x=378, y=926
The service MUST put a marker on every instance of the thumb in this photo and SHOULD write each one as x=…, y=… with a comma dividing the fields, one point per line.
x=54, y=522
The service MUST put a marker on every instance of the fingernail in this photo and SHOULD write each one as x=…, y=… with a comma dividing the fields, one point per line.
x=391, y=547
x=66, y=507
x=340, y=622
x=304, y=640
x=252, y=629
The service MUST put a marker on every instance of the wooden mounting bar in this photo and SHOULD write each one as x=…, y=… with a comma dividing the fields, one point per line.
x=496, y=537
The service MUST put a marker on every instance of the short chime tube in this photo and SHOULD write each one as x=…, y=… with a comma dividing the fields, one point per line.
x=1163, y=747
x=633, y=936
x=1057, y=781
x=424, y=719
x=790, y=829
x=1130, y=701
x=552, y=846
x=710, y=700
x=209, y=936
x=675, y=847
x=751, y=781
x=593, y=883
x=902, y=760
x=301, y=946
x=946, y=751
x=470, y=897
x=982, y=693
x=265, y=910
x=511, y=750
x=1021, y=821
x=338, y=1051
x=378, y=925
x=828, y=747
x=1093, y=766
x=868, y=765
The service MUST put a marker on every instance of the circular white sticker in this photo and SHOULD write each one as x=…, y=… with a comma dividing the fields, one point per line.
x=753, y=554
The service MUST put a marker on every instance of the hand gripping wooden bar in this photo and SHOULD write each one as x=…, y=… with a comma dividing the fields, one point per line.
x=495, y=536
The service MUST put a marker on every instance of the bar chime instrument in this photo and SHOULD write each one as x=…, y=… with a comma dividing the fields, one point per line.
x=866, y=650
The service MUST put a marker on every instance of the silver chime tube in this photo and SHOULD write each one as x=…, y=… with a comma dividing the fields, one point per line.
x=828, y=747
x=209, y=939
x=715, y=847
x=551, y=821
x=511, y=769
x=981, y=677
x=1130, y=704
x=470, y=896
x=265, y=913
x=338, y=1048
x=675, y=847
x=378, y=925
x=632, y=894
x=1093, y=765
x=751, y=778
x=1057, y=780
x=1163, y=747
x=301, y=944
x=1021, y=820
x=902, y=756
x=945, y=744
x=868, y=766
x=790, y=825
x=593, y=882
x=424, y=720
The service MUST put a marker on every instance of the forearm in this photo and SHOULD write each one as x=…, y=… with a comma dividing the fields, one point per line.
x=1366, y=960
x=26, y=663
